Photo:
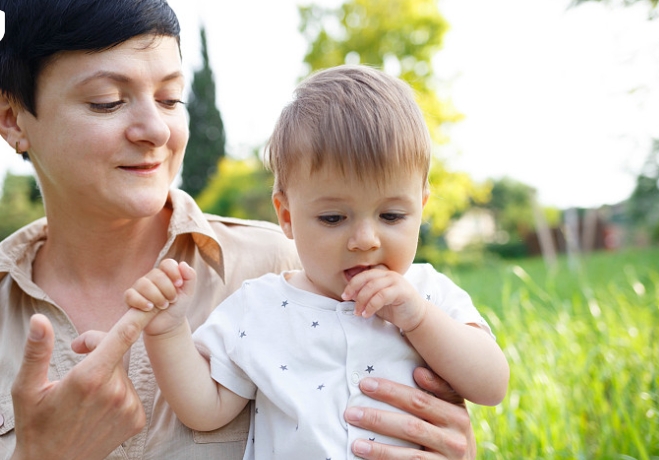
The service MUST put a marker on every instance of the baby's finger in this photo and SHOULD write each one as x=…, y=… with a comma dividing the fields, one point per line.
x=372, y=297
x=155, y=287
x=136, y=300
x=171, y=268
x=189, y=277
x=356, y=284
x=162, y=283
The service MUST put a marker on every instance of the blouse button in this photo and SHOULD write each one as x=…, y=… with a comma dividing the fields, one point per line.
x=2, y=420
x=355, y=378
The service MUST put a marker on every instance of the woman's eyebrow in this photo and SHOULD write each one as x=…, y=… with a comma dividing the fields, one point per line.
x=121, y=78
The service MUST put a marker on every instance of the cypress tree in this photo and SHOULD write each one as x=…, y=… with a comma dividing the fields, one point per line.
x=206, y=146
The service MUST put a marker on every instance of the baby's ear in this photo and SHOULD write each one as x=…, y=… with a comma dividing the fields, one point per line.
x=426, y=195
x=280, y=203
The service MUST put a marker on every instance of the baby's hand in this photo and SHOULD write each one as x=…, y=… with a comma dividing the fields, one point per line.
x=162, y=288
x=389, y=295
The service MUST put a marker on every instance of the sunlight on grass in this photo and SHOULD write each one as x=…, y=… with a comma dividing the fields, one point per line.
x=583, y=348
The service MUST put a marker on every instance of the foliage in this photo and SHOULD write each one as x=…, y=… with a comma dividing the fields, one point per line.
x=401, y=36
x=20, y=203
x=207, y=137
x=583, y=347
x=512, y=204
x=642, y=204
x=653, y=3
x=241, y=188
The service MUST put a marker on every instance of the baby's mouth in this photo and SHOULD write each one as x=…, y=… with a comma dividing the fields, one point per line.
x=354, y=271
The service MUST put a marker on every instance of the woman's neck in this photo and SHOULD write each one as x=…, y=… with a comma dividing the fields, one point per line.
x=85, y=267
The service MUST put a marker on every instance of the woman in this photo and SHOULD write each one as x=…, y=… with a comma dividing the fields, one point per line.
x=91, y=91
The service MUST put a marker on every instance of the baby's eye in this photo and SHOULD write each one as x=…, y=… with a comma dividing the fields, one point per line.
x=392, y=216
x=105, y=107
x=331, y=219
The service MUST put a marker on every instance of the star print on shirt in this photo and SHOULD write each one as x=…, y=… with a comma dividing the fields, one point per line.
x=242, y=334
x=284, y=303
x=321, y=386
x=427, y=296
x=314, y=324
x=369, y=369
x=283, y=367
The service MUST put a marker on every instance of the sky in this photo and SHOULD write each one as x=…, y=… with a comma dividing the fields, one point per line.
x=565, y=100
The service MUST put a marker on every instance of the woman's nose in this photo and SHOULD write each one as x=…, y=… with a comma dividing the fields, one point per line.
x=148, y=125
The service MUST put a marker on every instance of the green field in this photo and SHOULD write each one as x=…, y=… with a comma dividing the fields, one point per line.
x=582, y=341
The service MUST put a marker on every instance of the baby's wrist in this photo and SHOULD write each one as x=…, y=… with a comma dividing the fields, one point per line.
x=416, y=321
x=172, y=332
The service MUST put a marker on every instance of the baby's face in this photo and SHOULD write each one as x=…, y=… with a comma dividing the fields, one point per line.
x=344, y=225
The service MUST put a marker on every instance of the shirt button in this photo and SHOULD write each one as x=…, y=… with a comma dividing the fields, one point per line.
x=2, y=420
x=355, y=378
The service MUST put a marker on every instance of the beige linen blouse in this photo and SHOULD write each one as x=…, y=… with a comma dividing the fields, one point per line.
x=223, y=251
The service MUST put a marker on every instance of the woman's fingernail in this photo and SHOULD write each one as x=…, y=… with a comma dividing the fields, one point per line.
x=361, y=448
x=354, y=414
x=368, y=384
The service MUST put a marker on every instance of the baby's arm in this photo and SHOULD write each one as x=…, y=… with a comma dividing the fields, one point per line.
x=182, y=373
x=464, y=355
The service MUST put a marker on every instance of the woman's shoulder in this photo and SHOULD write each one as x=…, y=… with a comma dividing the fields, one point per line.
x=237, y=222
x=21, y=243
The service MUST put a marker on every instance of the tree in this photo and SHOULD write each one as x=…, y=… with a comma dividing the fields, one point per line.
x=512, y=205
x=20, y=203
x=402, y=37
x=240, y=188
x=206, y=146
x=642, y=204
x=653, y=4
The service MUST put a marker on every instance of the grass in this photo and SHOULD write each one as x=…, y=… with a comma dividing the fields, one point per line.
x=582, y=341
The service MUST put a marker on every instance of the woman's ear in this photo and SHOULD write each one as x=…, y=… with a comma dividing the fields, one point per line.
x=10, y=129
x=283, y=213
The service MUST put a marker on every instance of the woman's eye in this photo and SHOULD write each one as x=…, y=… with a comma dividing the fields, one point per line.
x=392, y=217
x=171, y=103
x=105, y=107
x=331, y=220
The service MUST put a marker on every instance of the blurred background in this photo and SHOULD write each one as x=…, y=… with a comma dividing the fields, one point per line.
x=545, y=205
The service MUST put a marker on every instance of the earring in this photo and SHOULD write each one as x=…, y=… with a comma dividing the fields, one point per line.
x=18, y=151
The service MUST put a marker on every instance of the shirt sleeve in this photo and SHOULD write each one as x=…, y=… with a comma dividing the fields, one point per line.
x=443, y=292
x=216, y=339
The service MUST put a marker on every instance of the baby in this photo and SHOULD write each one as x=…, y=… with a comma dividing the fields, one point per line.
x=350, y=155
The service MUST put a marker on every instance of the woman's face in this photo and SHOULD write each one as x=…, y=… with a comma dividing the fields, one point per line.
x=110, y=130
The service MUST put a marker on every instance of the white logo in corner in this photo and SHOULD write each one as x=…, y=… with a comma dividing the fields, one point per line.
x=2, y=24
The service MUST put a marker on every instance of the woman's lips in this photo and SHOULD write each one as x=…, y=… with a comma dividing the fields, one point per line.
x=142, y=168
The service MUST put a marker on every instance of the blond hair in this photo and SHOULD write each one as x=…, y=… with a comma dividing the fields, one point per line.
x=354, y=118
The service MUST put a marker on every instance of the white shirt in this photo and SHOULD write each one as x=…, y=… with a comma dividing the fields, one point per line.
x=301, y=356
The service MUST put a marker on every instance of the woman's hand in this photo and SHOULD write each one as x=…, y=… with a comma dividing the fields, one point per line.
x=441, y=424
x=88, y=413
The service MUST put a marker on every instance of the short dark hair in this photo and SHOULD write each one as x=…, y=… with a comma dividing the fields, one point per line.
x=36, y=30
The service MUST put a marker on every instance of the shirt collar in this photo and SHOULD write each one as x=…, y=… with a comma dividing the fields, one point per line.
x=187, y=218
x=18, y=250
